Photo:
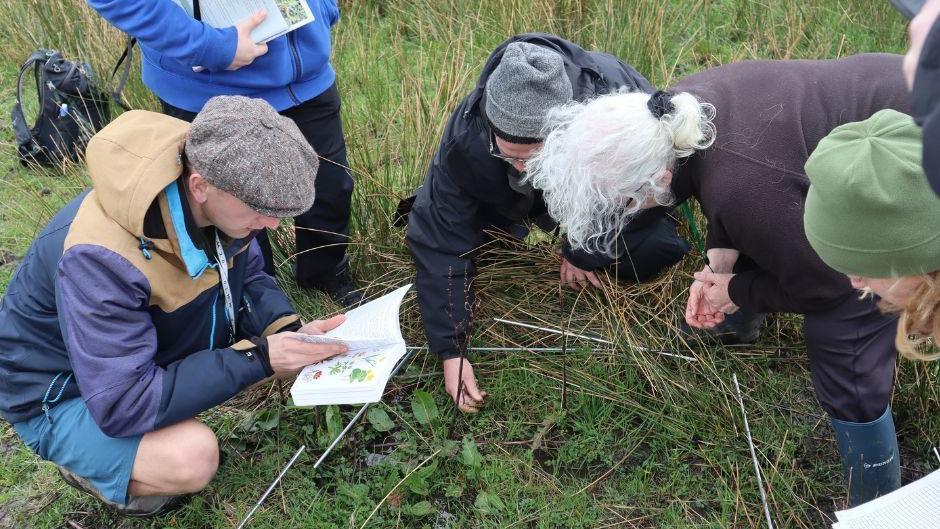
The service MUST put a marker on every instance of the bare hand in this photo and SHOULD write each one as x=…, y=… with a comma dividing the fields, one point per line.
x=716, y=291
x=247, y=51
x=322, y=326
x=289, y=354
x=721, y=260
x=917, y=31
x=471, y=398
x=575, y=278
x=699, y=313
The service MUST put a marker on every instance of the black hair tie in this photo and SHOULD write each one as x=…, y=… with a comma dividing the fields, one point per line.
x=660, y=104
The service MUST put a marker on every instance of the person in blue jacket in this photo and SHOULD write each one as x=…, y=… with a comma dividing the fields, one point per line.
x=143, y=302
x=185, y=62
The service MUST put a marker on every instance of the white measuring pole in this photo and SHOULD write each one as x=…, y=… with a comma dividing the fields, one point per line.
x=750, y=442
x=326, y=452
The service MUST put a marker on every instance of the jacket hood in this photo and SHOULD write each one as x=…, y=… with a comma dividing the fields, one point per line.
x=132, y=160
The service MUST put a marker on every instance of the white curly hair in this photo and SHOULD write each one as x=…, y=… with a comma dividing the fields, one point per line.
x=604, y=160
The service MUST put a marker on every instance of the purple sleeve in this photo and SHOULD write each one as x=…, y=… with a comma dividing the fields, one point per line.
x=165, y=27
x=801, y=291
x=716, y=237
x=103, y=309
x=102, y=301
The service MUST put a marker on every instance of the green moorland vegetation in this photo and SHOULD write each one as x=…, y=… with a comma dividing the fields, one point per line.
x=618, y=437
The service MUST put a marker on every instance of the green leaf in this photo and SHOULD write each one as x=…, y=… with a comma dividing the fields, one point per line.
x=417, y=483
x=422, y=508
x=449, y=447
x=469, y=454
x=380, y=420
x=268, y=420
x=357, y=493
x=488, y=502
x=334, y=421
x=453, y=490
x=423, y=407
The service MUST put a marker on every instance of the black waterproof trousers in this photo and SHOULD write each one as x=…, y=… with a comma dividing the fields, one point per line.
x=852, y=357
x=323, y=231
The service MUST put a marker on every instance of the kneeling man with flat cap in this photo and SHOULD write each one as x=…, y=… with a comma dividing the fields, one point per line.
x=143, y=302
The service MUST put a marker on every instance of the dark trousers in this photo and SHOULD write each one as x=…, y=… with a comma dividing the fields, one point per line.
x=322, y=232
x=852, y=356
x=649, y=251
x=644, y=251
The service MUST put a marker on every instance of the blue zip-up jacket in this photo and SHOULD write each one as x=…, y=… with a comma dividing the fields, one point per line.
x=116, y=301
x=295, y=69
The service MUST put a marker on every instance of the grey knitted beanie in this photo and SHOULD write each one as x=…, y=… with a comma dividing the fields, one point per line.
x=528, y=81
x=245, y=148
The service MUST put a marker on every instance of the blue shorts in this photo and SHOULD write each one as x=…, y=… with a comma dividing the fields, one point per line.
x=74, y=441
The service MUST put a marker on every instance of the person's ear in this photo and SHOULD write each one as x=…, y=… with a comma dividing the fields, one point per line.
x=198, y=187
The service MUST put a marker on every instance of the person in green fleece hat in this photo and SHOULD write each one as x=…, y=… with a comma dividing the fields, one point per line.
x=871, y=215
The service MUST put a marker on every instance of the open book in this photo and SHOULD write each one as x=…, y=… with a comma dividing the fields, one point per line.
x=359, y=375
x=913, y=506
x=283, y=17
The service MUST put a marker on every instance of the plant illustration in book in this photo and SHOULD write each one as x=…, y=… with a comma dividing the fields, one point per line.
x=359, y=367
x=362, y=375
x=293, y=11
x=341, y=367
x=373, y=337
x=310, y=376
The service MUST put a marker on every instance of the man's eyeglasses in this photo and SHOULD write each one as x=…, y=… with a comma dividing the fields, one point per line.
x=494, y=152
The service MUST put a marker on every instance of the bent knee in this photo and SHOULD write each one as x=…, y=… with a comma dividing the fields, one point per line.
x=197, y=459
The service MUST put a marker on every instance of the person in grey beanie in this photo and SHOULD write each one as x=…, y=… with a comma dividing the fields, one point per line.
x=476, y=183
x=528, y=82
x=144, y=301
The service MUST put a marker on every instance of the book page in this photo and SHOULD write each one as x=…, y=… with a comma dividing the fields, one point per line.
x=914, y=506
x=372, y=325
x=187, y=6
x=354, y=345
x=376, y=320
x=359, y=373
x=283, y=15
x=373, y=335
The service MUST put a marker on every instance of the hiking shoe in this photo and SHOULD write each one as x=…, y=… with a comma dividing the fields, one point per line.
x=740, y=328
x=341, y=287
x=344, y=290
x=136, y=507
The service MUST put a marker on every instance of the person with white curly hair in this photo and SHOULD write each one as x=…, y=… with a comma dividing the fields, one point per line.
x=736, y=138
x=474, y=187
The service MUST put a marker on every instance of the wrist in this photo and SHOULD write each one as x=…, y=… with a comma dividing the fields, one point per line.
x=449, y=354
x=261, y=351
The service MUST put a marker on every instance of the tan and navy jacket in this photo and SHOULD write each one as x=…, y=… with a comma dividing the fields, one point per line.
x=119, y=299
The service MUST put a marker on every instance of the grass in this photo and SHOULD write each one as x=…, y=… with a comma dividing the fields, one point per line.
x=644, y=440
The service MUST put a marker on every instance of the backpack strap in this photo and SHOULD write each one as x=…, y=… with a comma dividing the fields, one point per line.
x=125, y=58
x=116, y=94
x=24, y=138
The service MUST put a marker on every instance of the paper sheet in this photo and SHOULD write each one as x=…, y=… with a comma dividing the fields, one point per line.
x=283, y=16
x=914, y=506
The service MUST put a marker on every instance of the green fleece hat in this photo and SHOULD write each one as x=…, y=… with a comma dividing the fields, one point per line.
x=869, y=211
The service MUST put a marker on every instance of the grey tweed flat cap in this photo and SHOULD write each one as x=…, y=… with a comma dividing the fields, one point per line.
x=245, y=148
x=528, y=81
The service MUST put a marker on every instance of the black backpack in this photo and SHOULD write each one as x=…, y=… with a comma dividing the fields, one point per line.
x=71, y=109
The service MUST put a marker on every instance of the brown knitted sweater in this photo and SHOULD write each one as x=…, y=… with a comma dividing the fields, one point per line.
x=770, y=115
